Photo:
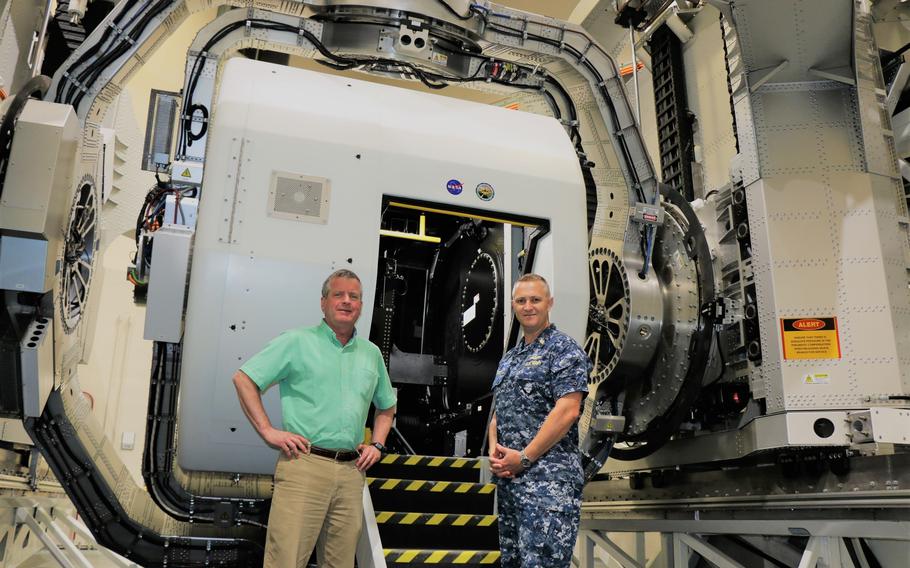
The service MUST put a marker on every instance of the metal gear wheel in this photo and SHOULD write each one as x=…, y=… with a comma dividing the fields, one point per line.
x=608, y=313
x=80, y=248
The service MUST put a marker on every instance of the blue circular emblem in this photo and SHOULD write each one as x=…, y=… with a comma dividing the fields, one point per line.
x=454, y=186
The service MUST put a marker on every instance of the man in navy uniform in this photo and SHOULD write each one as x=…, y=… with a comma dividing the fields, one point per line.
x=533, y=436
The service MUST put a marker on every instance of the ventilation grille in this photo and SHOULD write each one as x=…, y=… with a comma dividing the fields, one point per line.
x=299, y=197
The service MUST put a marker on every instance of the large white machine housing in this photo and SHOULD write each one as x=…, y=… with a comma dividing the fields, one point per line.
x=325, y=150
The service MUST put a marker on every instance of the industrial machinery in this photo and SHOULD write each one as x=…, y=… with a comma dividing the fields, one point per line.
x=746, y=309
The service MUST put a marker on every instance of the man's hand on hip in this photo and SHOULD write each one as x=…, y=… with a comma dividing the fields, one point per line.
x=293, y=445
x=368, y=456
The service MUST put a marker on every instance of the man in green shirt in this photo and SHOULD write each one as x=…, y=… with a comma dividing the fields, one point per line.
x=327, y=378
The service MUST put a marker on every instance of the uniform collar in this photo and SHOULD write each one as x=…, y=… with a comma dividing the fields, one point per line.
x=327, y=331
x=542, y=338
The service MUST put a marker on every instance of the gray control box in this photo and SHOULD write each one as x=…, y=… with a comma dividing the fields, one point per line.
x=167, y=284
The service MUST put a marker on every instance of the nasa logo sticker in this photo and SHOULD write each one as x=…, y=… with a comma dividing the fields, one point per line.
x=454, y=186
x=485, y=191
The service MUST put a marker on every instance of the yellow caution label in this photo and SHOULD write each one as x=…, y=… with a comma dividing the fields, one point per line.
x=810, y=338
x=186, y=173
x=817, y=379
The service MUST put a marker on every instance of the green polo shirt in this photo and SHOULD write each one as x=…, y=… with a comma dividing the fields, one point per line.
x=325, y=388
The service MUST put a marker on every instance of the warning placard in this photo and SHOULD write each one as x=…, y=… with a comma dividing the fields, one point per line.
x=810, y=338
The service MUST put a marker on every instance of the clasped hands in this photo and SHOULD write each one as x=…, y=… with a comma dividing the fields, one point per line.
x=505, y=462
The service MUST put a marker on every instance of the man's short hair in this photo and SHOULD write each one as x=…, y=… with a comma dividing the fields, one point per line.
x=531, y=277
x=340, y=273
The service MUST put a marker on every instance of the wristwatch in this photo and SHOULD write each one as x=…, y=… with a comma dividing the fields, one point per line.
x=382, y=449
x=525, y=460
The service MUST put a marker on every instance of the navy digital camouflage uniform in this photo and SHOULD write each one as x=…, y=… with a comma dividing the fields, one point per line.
x=539, y=509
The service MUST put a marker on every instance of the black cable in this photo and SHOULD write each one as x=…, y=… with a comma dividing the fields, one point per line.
x=91, y=51
x=78, y=81
x=509, y=31
x=193, y=136
x=90, y=74
x=430, y=79
x=455, y=13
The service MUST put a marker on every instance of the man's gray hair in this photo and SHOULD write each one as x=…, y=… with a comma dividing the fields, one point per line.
x=340, y=273
x=531, y=277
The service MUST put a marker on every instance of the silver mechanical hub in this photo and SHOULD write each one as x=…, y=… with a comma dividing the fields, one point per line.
x=641, y=322
x=676, y=276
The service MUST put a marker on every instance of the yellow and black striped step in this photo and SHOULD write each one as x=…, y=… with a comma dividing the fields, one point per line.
x=425, y=485
x=441, y=558
x=425, y=496
x=395, y=466
x=437, y=530
x=434, y=519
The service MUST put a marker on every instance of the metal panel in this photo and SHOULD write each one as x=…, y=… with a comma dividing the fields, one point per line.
x=793, y=428
x=807, y=128
x=41, y=170
x=159, y=129
x=807, y=33
x=244, y=290
x=22, y=264
x=818, y=262
x=299, y=197
x=891, y=425
x=167, y=284
x=706, y=75
x=37, y=360
x=12, y=430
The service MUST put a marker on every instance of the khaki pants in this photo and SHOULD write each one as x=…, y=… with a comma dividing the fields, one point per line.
x=317, y=501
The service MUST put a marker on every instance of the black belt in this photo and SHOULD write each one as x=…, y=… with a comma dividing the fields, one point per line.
x=337, y=455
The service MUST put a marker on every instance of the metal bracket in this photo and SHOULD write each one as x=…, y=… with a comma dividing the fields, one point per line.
x=720, y=310
x=609, y=423
x=648, y=214
x=881, y=425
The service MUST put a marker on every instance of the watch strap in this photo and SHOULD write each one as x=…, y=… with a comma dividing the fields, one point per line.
x=525, y=460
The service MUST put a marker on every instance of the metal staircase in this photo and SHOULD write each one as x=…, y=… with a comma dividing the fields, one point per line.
x=436, y=511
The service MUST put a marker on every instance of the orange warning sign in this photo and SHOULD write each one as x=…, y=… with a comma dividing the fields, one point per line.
x=810, y=338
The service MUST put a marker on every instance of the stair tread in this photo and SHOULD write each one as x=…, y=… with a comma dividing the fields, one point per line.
x=437, y=468
x=432, y=461
x=386, y=484
x=441, y=556
x=435, y=519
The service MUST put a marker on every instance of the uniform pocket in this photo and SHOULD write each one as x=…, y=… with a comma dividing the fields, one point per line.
x=534, y=391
